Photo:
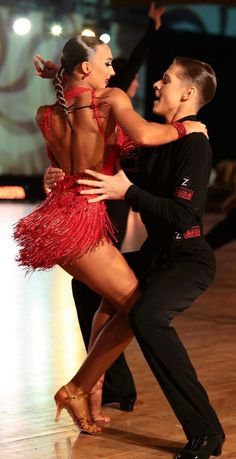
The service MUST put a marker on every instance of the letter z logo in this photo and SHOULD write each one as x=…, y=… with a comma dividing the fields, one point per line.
x=185, y=181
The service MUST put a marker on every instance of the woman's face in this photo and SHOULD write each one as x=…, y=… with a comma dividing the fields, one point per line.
x=102, y=70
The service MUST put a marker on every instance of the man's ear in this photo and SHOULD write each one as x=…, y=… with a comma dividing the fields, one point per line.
x=188, y=93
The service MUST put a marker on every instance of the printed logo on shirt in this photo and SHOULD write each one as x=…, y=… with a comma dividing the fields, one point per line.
x=186, y=181
x=183, y=193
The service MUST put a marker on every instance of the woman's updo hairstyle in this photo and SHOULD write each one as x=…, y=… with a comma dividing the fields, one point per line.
x=77, y=50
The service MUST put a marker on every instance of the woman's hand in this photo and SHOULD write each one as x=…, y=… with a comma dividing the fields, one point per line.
x=44, y=69
x=155, y=14
x=51, y=177
x=195, y=126
x=107, y=186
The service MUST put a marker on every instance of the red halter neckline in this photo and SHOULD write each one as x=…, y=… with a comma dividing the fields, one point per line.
x=76, y=91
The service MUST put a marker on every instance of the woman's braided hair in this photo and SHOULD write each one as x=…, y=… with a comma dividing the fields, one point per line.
x=77, y=50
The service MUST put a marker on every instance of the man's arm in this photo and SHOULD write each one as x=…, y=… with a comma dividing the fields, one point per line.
x=187, y=201
x=190, y=185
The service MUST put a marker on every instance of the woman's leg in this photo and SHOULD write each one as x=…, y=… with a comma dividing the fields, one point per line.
x=100, y=319
x=118, y=384
x=106, y=272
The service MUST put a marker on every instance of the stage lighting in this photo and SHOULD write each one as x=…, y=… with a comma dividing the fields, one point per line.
x=22, y=26
x=88, y=33
x=105, y=37
x=56, y=29
x=12, y=192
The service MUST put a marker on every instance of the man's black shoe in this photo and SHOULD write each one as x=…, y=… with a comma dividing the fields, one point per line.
x=126, y=401
x=202, y=447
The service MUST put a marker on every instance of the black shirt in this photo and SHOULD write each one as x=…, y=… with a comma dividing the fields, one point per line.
x=173, y=191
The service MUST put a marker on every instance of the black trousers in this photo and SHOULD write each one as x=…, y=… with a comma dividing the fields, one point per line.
x=224, y=232
x=169, y=290
x=119, y=382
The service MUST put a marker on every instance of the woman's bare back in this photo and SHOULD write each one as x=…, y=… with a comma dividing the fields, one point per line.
x=93, y=130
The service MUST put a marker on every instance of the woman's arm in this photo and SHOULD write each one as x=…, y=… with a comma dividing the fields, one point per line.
x=145, y=132
x=45, y=69
x=123, y=79
x=52, y=176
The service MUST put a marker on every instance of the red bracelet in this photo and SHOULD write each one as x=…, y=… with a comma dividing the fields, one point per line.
x=180, y=128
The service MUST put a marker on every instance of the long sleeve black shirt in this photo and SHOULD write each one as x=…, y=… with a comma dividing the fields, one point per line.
x=173, y=188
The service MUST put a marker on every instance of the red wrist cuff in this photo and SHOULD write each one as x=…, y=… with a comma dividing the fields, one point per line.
x=180, y=128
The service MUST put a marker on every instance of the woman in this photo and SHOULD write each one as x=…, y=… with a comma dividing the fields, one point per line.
x=81, y=132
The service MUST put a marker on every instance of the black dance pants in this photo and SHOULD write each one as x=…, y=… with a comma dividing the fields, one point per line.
x=169, y=290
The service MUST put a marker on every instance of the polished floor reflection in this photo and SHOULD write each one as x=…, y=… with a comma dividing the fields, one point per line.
x=41, y=347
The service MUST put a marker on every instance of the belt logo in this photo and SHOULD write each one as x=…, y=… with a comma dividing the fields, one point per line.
x=195, y=231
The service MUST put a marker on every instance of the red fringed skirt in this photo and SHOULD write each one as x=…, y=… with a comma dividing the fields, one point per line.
x=64, y=227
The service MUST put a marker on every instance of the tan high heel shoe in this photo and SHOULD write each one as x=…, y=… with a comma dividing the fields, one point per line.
x=95, y=403
x=77, y=408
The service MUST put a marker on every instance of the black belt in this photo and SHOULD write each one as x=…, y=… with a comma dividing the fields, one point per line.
x=194, y=231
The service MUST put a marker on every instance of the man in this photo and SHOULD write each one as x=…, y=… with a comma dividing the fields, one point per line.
x=175, y=264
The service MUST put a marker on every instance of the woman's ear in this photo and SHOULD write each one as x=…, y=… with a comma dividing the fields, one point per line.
x=86, y=68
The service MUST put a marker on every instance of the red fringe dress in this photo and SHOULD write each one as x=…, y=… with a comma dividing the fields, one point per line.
x=66, y=226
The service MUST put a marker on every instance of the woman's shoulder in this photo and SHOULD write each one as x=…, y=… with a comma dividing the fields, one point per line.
x=110, y=92
x=42, y=117
x=44, y=108
x=42, y=111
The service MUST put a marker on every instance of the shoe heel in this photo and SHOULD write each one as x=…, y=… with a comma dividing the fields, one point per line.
x=127, y=405
x=218, y=450
x=58, y=412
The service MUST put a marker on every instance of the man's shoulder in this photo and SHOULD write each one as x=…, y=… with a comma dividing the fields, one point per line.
x=197, y=138
x=195, y=142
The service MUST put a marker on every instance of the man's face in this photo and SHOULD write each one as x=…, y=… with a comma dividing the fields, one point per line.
x=102, y=69
x=169, y=92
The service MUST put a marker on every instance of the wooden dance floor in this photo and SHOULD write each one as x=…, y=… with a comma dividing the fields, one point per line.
x=41, y=348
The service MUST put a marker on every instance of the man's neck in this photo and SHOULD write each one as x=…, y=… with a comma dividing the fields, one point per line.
x=181, y=114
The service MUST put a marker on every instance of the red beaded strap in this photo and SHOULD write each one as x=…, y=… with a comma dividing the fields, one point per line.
x=180, y=128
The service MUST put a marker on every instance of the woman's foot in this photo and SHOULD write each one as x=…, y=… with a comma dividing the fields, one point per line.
x=77, y=407
x=95, y=403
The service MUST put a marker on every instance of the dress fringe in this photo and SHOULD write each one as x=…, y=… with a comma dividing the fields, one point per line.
x=66, y=226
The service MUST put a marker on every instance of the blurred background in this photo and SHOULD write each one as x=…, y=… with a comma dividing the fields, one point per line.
x=205, y=31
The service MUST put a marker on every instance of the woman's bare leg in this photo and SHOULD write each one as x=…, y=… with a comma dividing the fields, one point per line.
x=106, y=271
x=102, y=316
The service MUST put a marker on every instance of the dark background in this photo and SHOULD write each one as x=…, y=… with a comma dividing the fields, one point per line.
x=218, y=51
